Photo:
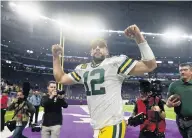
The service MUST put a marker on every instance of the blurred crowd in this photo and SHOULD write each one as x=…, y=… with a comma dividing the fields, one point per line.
x=130, y=90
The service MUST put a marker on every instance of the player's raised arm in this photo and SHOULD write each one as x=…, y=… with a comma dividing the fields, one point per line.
x=147, y=62
x=59, y=75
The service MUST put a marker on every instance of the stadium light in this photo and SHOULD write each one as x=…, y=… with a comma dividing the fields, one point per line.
x=8, y=61
x=63, y=23
x=174, y=35
x=159, y=62
x=170, y=62
x=12, y=4
x=30, y=51
x=25, y=10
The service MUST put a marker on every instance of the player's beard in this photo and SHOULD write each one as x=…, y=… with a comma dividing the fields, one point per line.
x=98, y=59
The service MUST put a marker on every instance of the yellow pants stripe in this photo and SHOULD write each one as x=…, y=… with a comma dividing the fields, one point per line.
x=116, y=131
x=123, y=129
x=120, y=129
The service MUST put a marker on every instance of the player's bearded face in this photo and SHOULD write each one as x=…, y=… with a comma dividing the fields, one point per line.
x=99, y=52
x=185, y=72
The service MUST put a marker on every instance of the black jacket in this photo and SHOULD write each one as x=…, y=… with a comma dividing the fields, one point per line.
x=52, y=110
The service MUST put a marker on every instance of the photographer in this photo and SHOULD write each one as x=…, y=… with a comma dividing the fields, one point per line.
x=52, y=118
x=150, y=106
x=22, y=108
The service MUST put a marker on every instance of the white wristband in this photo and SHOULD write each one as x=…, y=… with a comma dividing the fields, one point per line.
x=146, y=52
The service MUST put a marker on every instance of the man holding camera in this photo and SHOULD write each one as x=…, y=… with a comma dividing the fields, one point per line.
x=179, y=97
x=22, y=108
x=150, y=108
x=52, y=118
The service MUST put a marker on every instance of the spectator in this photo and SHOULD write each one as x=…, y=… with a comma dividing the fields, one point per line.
x=35, y=100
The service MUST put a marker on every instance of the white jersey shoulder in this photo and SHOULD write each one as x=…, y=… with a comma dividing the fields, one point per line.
x=124, y=64
x=120, y=65
x=78, y=73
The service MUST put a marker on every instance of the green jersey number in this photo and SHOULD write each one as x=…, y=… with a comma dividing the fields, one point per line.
x=90, y=86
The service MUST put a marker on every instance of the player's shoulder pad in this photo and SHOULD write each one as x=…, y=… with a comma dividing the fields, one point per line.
x=120, y=56
x=82, y=66
x=117, y=58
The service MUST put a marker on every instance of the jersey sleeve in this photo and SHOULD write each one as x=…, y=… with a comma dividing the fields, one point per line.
x=76, y=75
x=125, y=64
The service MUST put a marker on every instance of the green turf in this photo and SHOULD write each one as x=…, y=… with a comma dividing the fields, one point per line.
x=127, y=108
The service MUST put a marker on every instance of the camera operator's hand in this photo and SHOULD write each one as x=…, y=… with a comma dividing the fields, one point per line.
x=26, y=108
x=156, y=108
x=61, y=96
x=127, y=122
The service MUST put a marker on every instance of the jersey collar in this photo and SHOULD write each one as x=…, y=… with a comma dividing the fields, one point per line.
x=94, y=65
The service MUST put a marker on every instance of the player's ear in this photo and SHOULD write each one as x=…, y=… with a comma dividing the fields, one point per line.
x=106, y=52
x=91, y=52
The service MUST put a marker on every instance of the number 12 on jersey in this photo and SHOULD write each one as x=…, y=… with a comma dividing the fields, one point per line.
x=90, y=81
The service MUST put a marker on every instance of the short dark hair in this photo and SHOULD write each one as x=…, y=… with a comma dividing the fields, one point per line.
x=186, y=64
x=54, y=82
x=19, y=91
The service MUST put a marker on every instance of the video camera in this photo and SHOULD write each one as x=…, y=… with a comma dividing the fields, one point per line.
x=26, y=89
x=137, y=120
x=35, y=128
x=60, y=92
x=154, y=86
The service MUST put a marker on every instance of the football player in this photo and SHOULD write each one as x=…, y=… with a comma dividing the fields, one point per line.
x=103, y=78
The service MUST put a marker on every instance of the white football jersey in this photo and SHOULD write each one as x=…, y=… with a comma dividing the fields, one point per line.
x=103, y=84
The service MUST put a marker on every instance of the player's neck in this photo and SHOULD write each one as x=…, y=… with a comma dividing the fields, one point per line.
x=97, y=61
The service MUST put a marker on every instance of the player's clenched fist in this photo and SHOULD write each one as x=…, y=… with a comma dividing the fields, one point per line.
x=57, y=50
x=132, y=32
